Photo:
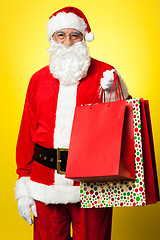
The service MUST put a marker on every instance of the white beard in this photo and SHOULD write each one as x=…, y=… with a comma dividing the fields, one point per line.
x=69, y=64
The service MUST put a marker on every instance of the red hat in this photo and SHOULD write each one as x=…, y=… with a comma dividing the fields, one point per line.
x=69, y=17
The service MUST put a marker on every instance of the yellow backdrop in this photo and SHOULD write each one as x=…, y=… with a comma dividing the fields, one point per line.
x=127, y=36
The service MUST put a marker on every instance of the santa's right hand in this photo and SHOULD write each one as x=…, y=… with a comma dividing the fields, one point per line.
x=25, y=205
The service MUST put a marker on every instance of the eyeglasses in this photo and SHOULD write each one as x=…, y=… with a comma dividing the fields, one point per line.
x=61, y=36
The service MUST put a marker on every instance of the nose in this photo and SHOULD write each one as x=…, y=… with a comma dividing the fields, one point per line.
x=67, y=41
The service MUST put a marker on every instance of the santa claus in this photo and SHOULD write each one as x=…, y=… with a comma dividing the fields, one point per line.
x=72, y=78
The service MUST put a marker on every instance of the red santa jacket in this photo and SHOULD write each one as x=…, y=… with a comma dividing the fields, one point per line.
x=38, y=126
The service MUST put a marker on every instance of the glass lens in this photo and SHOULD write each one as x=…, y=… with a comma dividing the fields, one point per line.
x=75, y=35
x=60, y=36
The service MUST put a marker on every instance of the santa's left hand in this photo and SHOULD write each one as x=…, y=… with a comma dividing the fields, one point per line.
x=107, y=80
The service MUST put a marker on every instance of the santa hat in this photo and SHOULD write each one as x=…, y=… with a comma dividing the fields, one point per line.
x=69, y=17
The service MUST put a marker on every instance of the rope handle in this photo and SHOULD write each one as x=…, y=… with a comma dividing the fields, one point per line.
x=118, y=91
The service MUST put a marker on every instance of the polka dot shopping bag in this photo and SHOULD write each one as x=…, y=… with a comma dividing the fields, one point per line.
x=139, y=192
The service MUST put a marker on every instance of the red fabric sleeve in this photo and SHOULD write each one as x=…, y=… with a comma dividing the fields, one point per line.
x=25, y=146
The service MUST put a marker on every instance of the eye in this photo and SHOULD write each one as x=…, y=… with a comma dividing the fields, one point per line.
x=60, y=35
x=75, y=36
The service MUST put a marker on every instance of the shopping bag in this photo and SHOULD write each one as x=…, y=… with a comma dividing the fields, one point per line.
x=150, y=172
x=102, y=143
x=140, y=192
x=119, y=193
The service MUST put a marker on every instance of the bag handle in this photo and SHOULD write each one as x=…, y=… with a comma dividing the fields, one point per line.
x=118, y=91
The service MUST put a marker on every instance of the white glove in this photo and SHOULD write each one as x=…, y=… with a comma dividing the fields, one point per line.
x=25, y=205
x=107, y=80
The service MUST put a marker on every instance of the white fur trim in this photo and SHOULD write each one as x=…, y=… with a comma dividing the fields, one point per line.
x=63, y=190
x=64, y=118
x=64, y=115
x=54, y=193
x=61, y=180
x=65, y=20
x=89, y=37
x=21, y=188
x=47, y=194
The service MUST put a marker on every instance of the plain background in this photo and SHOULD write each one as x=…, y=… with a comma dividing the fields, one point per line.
x=127, y=36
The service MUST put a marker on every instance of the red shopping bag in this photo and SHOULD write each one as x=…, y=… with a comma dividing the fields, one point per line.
x=102, y=143
x=150, y=173
x=138, y=194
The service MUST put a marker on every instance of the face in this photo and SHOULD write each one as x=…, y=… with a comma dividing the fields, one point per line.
x=67, y=36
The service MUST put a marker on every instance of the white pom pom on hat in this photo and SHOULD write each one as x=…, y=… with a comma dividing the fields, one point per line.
x=89, y=37
x=69, y=17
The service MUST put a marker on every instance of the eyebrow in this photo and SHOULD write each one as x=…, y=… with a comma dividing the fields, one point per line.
x=76, y=32
x=60, y=31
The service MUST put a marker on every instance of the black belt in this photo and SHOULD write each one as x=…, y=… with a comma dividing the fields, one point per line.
x=52, y=158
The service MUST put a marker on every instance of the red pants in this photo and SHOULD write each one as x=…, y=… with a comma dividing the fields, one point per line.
x=53, y=222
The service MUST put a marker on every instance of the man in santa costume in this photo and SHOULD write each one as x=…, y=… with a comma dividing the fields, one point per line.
x=71, y=79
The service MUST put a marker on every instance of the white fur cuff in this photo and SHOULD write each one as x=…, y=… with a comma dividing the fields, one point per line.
x=21, y=188
x=54, y=193
x=47, y=194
